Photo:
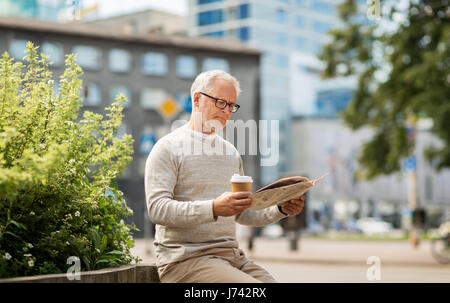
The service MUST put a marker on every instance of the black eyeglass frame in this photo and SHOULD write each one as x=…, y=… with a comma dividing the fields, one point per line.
x=235, y=107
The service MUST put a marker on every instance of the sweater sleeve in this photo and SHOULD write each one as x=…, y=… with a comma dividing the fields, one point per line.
x=161, y=171
x=258, y=217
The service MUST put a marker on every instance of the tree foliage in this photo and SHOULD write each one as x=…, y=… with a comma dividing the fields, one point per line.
x=55, y=172
x=403, y=66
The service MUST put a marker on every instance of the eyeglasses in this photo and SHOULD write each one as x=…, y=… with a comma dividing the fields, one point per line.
x=222, y=103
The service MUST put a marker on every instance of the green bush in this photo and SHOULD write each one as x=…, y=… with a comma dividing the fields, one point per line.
x=58, y=195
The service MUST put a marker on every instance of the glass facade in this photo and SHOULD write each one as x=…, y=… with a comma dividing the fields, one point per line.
x=41, y=9
x=215, y=34
x=88, y=57
x=244, y=34
x=210, y=17
x=55, y=51
x=244, y=11
x=119, y=60
x=154, y=64
x=321, y=27
x=324, y=7
x=331, y=102
x=200, y=2
x=186, y=66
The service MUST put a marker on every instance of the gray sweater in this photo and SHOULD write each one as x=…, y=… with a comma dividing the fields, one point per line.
x=185, y=171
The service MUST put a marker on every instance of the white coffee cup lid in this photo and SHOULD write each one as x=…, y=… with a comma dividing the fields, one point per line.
x=241, y=179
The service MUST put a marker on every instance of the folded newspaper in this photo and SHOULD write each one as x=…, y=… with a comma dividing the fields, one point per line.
x=282, y=191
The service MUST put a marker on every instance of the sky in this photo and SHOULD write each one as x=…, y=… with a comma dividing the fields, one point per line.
x=109, y=8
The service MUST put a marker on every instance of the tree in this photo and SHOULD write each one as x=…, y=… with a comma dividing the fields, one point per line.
x=403, y=66
x=58, y=197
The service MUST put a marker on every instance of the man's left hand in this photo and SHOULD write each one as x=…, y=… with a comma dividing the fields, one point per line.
x=294, y=206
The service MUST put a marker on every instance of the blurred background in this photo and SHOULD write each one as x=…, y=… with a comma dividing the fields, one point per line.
x=151, y=51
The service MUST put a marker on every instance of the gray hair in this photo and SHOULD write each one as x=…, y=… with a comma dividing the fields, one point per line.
x=203, y=81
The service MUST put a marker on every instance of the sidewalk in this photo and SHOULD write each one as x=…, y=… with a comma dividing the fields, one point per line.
x=318, y=251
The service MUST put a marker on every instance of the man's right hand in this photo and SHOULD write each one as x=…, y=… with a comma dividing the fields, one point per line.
x=230, y=204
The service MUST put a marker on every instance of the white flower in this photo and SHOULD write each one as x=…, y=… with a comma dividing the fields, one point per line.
x=7, y=256
x=30, y=245
x=32, y=213
x=77, y=213
x=30, y=263
x=27, y=255
x=71, y=161
x=73, y=170
x=67, y=243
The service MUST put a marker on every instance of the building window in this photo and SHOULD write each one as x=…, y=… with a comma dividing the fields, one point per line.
x=283, y=61
x=244, y=34
x=54, y=51
x=88, y=57
x=119, y=60
x=154, y=64
x=281, y=16
x=282, y=39
x=323, y=7
x=300, y=43
x=299, y=21
x=244, y=11
x=321, y=27
x=210, y=17
x=17, y=48
x=120, y=89
x=186, y=66
x=215, y=63
x=146, y=141
x=91, y=95
x=200, y=2
x=152, y=98
x=215, y=34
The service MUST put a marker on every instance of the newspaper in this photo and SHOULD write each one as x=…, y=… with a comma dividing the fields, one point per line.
x=282, y=191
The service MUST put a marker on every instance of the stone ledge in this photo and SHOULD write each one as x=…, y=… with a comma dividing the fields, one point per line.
x=131, y=273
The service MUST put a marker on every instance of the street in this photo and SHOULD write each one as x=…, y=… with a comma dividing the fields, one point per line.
x=324, y=261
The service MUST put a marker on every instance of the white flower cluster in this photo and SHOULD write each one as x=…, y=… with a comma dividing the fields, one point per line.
x=7, y=256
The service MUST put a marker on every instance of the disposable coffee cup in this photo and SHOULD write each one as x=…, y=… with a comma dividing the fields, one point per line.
x=241, y=183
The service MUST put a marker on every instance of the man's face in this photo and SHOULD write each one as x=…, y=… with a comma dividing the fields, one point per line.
x=221, y=89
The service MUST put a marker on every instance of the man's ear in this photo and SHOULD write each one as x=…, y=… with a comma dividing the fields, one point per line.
x=196, y=100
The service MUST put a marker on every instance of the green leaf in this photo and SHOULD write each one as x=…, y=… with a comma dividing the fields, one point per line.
x=19, y=225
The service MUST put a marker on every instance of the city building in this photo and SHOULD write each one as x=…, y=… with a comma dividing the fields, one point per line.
x=39, y=9
x=155, y=74
x=144, y=22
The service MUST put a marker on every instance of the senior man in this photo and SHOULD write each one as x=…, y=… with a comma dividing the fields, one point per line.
x=188, y=198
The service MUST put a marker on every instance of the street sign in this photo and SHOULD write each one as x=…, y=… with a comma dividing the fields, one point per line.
x=409, y=164
x=146, y=143
x=168, y=108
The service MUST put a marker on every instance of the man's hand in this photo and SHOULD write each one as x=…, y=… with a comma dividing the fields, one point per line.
x=230, y=204
x=294, y=206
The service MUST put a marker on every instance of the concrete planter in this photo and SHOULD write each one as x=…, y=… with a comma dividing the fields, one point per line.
x=133, y=273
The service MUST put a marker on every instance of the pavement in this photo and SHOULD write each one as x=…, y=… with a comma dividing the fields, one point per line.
x=320, y=251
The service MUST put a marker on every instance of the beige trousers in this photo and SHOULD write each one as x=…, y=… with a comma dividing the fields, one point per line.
x=218, y=265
